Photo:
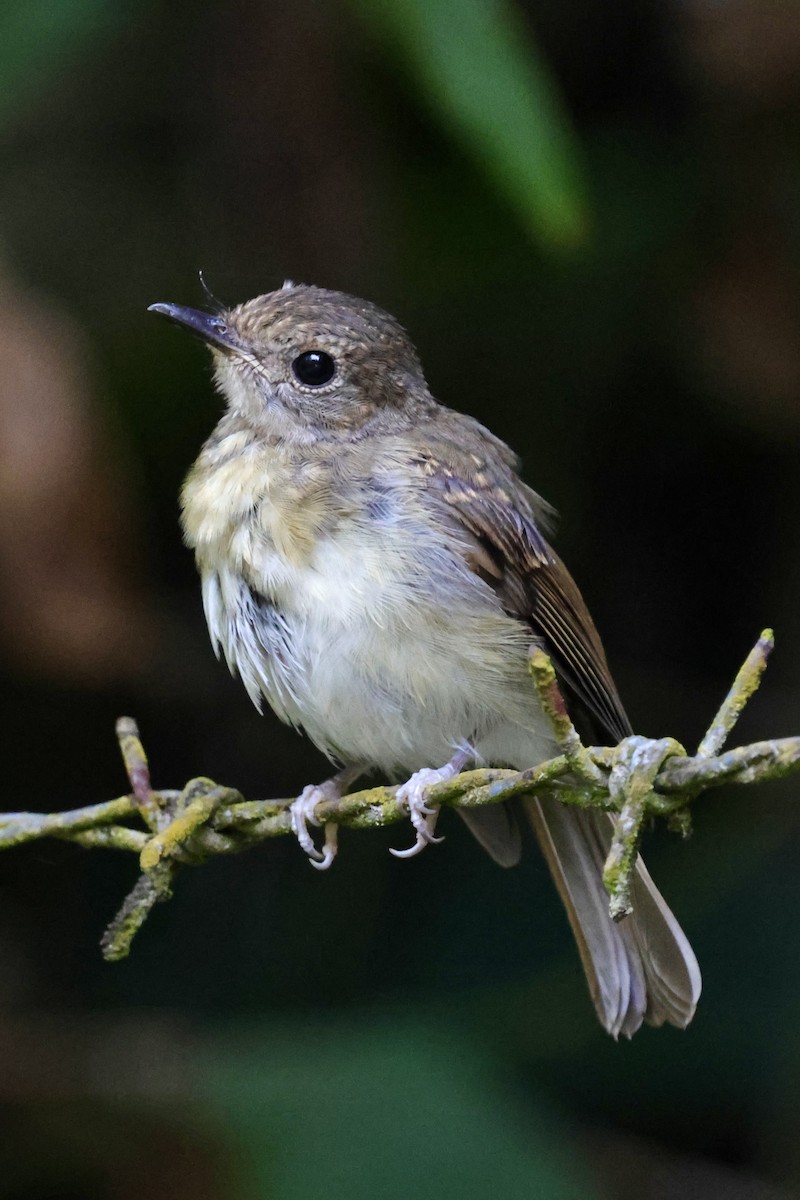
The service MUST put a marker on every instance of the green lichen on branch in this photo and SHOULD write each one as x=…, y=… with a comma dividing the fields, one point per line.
x=637, y=780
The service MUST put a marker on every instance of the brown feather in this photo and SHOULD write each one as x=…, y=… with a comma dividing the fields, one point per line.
x=642, y=969
x=486, y=498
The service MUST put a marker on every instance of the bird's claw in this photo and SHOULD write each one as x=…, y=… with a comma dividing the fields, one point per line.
x=302, y=813
x=423, y=816
x=322, y=861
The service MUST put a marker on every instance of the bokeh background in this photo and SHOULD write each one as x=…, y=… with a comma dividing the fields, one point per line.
x=588, y=216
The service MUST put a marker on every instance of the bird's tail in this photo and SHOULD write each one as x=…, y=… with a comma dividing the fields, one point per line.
x=640, y=969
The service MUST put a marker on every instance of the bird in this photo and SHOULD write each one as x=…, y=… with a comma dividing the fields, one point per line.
x=374, y=568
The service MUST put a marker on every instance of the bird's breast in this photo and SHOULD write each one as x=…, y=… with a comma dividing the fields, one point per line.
x=239, y=507
x=352, y=614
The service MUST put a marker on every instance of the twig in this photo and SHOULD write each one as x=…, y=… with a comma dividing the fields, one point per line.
x=546, y=684
x=637, y=780
x=138, y=770
x=744, y=686
x=152, y=887
x=19, y=827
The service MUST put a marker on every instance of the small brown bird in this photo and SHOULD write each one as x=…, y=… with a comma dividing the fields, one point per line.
x=373, y=566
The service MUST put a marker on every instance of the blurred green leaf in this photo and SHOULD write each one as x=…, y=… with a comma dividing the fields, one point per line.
x=40, y=41
x=490, y=86
x=385, y=1108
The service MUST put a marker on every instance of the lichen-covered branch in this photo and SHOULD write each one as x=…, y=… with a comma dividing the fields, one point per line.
x=637, y=780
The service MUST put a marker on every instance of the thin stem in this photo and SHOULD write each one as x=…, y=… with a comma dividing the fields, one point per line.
x=19, y=827
x=549, y=693
x=150, y=889
x=138, y=770
x=744, y=686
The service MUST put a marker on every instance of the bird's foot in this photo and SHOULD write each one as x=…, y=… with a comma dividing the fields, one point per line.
x=302, y=812
x=423, y=816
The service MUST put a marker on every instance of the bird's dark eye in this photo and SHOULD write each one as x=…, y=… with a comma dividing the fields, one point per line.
x=314, y=368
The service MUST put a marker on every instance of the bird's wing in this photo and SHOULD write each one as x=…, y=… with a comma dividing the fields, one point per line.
x=499, y=518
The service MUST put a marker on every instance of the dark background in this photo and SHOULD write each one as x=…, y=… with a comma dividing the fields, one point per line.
x=588, y=217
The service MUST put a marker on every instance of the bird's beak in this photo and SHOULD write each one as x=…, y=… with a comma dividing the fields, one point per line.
x=212, y=329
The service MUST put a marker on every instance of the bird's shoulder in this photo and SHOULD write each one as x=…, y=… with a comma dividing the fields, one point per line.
x=474, y=477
